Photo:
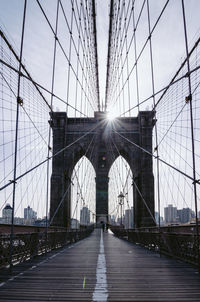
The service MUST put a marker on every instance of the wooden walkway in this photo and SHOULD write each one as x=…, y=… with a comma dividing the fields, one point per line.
x=109, y=269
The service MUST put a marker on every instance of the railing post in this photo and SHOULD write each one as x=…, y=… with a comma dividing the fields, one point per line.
x=34, y=240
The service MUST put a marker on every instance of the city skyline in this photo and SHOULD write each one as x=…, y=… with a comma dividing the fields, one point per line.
x=38, y=60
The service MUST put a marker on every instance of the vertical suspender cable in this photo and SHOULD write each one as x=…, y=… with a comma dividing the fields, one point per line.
x=49, y=138
x=136, y=59
x=70, y=50
x=19, y=102
x=121, y=55
x=83, y=60
x=189, y=99
x=127, y=68
x=109, y=53
x=156, y=133
x=96, y=54
x=77, y=66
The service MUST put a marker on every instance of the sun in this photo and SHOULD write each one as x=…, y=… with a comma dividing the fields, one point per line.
x=111, y=115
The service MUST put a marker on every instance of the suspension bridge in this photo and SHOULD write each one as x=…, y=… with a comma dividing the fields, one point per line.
x=100, y=138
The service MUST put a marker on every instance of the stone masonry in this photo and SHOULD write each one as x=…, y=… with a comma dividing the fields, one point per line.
x=106, y=146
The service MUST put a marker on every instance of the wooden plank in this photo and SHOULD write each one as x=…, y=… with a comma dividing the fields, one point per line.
x=133, y=274
x=137, y=274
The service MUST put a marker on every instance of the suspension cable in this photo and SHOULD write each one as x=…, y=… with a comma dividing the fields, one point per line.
x=50, y=157
x=65, y=194
x=189, y=99
x=16, y=136
x=151, y=154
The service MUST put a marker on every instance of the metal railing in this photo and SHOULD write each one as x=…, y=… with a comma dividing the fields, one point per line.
x=27, y=245
x=179, y=242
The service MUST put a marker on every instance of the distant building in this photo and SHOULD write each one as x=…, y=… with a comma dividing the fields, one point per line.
x=193, y=214
x=41, y=222
x=29, y=215
x=184, y=215
x=19, y=220
x=170, y=213
x=129, y=219
x=7, y=214
x=157, y=219
x=119, y=221
x=112, y=219
x=85, y=216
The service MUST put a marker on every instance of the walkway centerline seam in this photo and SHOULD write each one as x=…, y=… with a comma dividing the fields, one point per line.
x=100, y=293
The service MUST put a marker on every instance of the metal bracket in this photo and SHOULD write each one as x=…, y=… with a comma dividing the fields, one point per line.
x=197, y=181
x=188, y=98
x=20, y=101
x=12, y=181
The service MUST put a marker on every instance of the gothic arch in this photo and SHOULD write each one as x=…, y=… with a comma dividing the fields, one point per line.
x=77, y=134
x=82, y=187
x=125, y=187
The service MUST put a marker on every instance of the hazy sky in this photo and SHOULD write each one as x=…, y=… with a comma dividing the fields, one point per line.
x=38, y=46
x=167, y=41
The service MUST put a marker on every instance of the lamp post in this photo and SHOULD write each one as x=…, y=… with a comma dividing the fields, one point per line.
x=121, y=202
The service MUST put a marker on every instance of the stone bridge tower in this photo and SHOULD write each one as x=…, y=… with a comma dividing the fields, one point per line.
x=74, y=137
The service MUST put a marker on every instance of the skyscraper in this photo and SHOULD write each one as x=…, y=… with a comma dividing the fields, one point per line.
x=128, y=218
x=29, y=214
x=84, y=216
x=7, y=214
x=170, y=213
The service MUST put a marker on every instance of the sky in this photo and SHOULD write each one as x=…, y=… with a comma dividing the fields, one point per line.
x=168, y=39
x=168, y=53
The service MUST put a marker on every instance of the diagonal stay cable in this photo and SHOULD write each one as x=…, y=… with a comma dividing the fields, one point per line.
x=80, y=189
x=161, y=90
x=74, y=45
x=152, y=216
x=117, y=55
x=122, y=184
x=64, y=53
x=176, y=117
x=151, y=154
x=178, y=71
x=16, y=139
x=49, y=158
x=75, y=172
x=64, y=195
x=42, y=87
x=140, y=54
x=22, y=66
x=24, y=109
x=145, y=203
x=128, y=170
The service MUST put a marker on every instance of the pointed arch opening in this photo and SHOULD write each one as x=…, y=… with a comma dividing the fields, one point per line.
x=120, y=194
x=83, y=194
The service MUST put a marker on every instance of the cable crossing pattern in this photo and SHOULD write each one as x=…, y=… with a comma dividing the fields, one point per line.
x=150, y=67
